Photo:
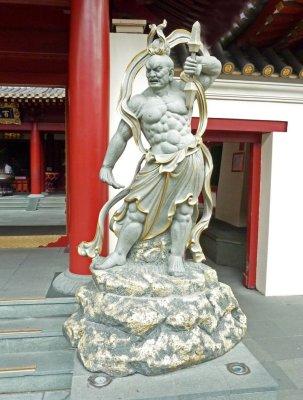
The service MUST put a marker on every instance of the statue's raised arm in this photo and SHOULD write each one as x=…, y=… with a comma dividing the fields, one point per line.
x=205, y=68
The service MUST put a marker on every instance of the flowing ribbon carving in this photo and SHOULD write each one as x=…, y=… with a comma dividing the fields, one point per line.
x=178, y=36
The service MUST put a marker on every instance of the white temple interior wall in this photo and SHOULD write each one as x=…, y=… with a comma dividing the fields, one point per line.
x=280, y=265
x=231, y=190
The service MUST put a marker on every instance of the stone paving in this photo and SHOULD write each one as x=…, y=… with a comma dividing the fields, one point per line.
x=275, y=324
x=32, y=218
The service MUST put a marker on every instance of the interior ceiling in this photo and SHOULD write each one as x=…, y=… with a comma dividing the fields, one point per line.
x=35, y=33
x=216, y=16
x=279, y=24
x=34, y=43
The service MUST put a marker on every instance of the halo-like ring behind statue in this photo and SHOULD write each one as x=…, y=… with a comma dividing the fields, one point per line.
x=178, y=36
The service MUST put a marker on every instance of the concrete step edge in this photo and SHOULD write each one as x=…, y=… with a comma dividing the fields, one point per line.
x=35, y=300
x=15, y=328
x=33, y=364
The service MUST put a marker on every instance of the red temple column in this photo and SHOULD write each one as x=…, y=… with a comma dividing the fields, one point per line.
x=35, y=161
x=88, y=121
x=42, y=166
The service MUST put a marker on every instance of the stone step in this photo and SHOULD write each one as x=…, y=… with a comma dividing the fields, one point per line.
x=6, y=201
x=225, y=244
x=53, y=199
x=36, y=307
x=13, y=207
x=52, y=202
x=32, y=334
x=51, y=206
x=45, y=395
x=36, y=371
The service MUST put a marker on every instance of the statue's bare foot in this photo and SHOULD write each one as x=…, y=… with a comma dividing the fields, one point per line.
x=176, y=266
x=111, y=261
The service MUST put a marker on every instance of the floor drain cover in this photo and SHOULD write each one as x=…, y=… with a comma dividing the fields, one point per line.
x=238, y=368
x=100, y=380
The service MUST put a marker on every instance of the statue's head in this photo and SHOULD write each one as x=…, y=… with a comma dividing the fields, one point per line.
x=159, y=71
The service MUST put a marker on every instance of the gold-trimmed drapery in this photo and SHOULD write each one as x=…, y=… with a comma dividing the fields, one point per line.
x=178, y=36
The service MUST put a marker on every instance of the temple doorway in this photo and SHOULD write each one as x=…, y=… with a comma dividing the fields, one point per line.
x=225, y=241
x=236, y=149
x=33, y=145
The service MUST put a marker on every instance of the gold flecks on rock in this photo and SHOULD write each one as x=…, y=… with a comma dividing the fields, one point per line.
x=136, y=318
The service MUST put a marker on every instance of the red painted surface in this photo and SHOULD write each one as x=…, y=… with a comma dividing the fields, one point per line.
x=42, y=165
x=253, y=215
x=35, y=160
x=232, y=137
x=215, y=125
x=242, y=125
x=42, y=126
x=31, y=78
x=34, y=43
x=88, y=122
x=277, y=22
x=51, y=126
x=62, y=241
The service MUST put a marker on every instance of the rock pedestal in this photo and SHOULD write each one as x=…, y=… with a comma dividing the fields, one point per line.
x=138, y=319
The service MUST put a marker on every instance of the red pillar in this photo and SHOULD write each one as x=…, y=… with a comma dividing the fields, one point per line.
x=253, y=216
x=88, y=121
x=36, y=159
x=42, y=166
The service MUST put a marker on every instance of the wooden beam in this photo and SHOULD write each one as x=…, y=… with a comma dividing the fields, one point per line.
x=289, y=7
x=42, y=126
x=51, y=126
x=231, y=137
x=259, y=22
x=34, y=41
x=242, y=125
x=26, y=55
x=52, y=3
x=32, y=79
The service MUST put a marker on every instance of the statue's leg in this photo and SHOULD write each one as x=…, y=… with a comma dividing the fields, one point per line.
x=128, y=236
x=180, y=230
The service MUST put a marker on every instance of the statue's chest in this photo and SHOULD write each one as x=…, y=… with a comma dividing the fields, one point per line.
x=155, y=108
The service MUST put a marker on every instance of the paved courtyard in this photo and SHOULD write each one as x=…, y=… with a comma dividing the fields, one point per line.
x=275, y=324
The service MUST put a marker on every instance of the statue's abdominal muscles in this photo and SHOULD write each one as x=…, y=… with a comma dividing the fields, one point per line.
x=166, y=125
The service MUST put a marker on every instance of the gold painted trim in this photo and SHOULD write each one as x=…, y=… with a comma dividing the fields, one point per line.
x=16, y=118
x=11, y=370
x=228, y=67
x=280, y=6
x=30, y=241
x=248, y=69
x=18, y=330
x=268, y=70
x=286, y=71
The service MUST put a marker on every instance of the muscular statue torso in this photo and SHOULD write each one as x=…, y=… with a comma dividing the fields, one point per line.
x=165, y=119
x=165, y=122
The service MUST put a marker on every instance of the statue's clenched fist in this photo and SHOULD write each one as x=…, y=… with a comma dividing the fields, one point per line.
x=193, y=66
x=106, y=175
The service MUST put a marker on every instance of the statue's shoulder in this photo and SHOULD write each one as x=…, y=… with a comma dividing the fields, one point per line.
x=177, y=84
x=136, y=102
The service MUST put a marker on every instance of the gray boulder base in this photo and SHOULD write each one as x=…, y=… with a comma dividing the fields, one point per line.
x=138, y=319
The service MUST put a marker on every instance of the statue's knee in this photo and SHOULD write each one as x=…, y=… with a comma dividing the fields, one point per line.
x=186, y=209
x=132, y=207
x=184, y=213
x=134, y=214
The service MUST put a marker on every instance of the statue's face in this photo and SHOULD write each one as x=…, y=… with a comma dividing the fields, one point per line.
x=159, y=71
